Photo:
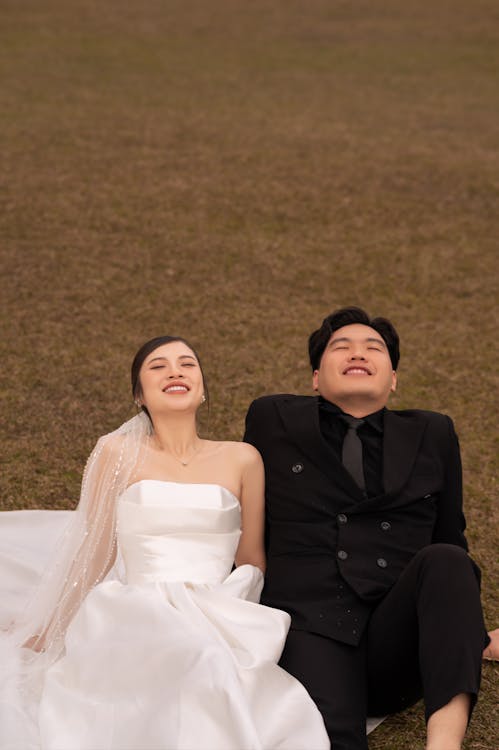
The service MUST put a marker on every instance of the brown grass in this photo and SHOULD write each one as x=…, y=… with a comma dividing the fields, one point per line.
x=232, y=171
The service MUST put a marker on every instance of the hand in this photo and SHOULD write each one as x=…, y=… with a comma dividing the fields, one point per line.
x=35, y=643
x=492, y=650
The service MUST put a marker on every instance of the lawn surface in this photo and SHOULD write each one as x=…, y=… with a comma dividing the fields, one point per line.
x=233, y=171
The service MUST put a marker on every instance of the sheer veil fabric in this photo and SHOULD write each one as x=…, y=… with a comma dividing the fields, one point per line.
x=84, y=556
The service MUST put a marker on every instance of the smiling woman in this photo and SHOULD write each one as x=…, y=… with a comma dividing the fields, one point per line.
x=156, y=357
x=139, y=635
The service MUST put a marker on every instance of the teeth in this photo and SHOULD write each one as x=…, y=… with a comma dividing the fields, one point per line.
x=175, y=388
x=357, y=370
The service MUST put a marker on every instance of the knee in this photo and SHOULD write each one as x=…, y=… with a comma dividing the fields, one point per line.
x=448, y=555
x=447, y=561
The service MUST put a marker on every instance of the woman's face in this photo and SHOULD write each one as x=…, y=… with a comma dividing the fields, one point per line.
x=171, y=379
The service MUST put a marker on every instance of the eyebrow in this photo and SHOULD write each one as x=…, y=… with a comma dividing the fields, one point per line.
x=368, y=339
x=165, y=359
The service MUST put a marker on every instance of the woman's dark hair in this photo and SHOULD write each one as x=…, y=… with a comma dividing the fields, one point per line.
x=346, y=316
x=145, y=350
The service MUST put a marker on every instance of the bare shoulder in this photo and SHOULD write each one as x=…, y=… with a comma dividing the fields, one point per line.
x=244, y=453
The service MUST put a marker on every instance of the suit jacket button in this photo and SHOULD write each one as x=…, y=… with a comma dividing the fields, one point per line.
x=381, y=562
x=386, y=525
x=342, y=554
x=341, y=518
x=297, y=468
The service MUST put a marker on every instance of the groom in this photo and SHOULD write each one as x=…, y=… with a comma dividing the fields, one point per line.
x=365, y=541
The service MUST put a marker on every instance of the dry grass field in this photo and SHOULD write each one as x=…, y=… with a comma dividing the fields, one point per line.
x=233, y=171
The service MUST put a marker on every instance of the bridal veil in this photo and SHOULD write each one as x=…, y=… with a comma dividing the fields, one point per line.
x=84, y=556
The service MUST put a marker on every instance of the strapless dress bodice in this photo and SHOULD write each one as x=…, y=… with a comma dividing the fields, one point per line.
x=176, y=654
x=171, y=531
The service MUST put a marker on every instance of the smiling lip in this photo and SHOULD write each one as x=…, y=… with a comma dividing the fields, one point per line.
x=356, y=371
x=176, y=388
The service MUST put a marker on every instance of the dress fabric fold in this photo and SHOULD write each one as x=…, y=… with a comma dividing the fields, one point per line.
x=177, y=654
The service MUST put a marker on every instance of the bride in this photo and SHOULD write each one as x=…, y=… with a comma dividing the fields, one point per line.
x=139, y=636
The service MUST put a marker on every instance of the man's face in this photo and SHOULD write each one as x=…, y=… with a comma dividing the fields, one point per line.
x=355, y=366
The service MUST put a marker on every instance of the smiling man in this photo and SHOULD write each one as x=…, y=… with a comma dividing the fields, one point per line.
x=365, y=541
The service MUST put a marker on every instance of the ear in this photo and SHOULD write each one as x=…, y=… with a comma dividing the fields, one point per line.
x=394, y=382
x=315, y=380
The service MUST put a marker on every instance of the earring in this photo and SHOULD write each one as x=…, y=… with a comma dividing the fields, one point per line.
x=137, y=403
x=203, y=398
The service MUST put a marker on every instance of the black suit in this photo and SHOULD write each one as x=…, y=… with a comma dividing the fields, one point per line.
x=333, y=554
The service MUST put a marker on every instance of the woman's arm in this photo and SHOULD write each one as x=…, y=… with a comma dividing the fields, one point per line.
x=251, y=544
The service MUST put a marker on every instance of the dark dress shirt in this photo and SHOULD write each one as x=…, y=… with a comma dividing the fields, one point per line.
x=334, y=429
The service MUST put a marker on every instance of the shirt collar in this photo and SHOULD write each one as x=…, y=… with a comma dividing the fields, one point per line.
x=374, y=420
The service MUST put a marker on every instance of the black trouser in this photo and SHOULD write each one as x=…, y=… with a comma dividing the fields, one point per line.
x=425, y=638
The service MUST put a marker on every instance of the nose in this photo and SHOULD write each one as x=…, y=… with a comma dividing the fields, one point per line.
x=175, y=374
x=357, y=354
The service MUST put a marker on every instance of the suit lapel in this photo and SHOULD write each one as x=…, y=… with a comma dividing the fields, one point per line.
x=402, y=436
x=301, y=421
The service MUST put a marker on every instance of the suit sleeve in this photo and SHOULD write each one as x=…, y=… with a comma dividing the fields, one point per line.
x=451, y=523
x=251, y=426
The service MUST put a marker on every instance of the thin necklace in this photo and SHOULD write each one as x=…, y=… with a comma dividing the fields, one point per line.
x=186, y=463
x=180, y=460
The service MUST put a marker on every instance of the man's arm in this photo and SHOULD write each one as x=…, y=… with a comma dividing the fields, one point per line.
x=451, y=523
x=254, y=430
x=252, y=424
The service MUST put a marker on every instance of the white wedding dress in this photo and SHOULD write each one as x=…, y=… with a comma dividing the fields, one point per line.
x=178, y=654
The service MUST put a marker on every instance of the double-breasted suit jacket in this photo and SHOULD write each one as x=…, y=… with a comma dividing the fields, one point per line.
x=332, y=553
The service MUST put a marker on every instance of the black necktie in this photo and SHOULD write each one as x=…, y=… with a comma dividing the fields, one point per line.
x=352, y=450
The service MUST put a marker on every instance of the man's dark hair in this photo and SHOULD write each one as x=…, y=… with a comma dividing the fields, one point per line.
x=346, y=316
